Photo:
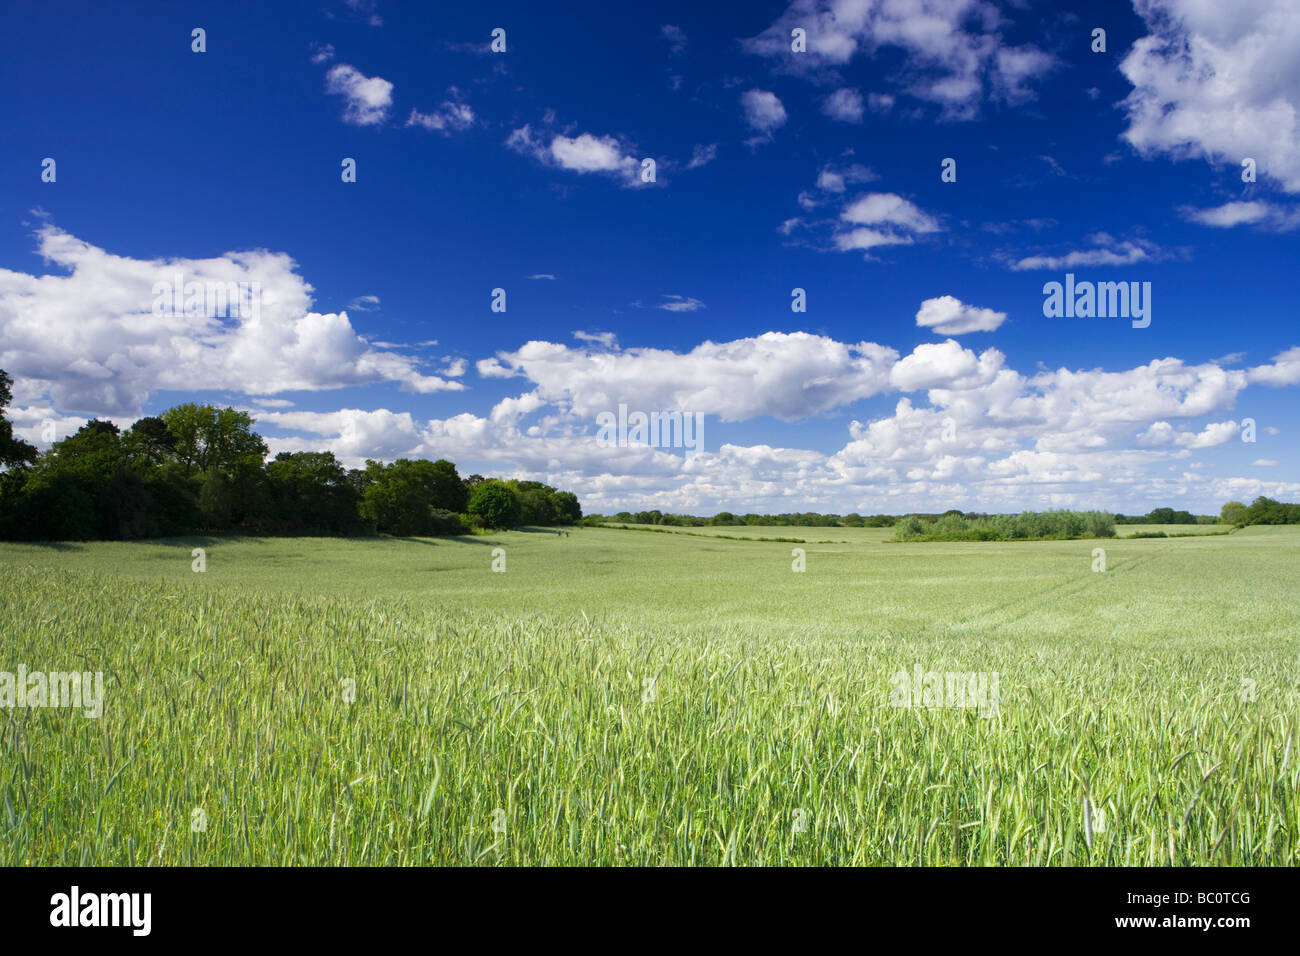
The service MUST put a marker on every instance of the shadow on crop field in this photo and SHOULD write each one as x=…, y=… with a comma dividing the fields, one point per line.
x=206, y=541
x=56, y=545
x=434, y=542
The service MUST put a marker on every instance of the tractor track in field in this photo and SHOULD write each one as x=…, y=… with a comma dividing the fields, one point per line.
x=1062, y=589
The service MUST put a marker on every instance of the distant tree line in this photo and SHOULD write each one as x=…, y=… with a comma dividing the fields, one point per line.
x=971, y=523
x=1261, y=511
x=804, y=519
x=202, y=469
x=1166, y=516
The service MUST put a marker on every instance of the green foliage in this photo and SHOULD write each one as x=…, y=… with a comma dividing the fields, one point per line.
x=401, y=498
x=442, y=522
x=1098, y=524
x=1026, y=526
x=1234, y=513
x=1164, y=516
x=69, y=489
x=539, y=504
x=909, y=528
x=567, y=507
x=216, y=501
x=536, y=502
x=495, y=505
x=1267, y=511
x=202, y=468
x=310, y=494
x=98, y=483
x=804, y=519
x=149, y=442
x=58, y=508
x=208, y=437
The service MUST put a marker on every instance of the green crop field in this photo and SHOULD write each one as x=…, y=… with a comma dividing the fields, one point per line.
x=620, y=697
x=1126, y=530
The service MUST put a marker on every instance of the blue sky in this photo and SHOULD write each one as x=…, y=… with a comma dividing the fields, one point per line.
x=774, y=170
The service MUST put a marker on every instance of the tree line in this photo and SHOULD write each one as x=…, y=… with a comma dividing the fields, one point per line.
x=202, y=469
x=1261, y=511
x=801, y=519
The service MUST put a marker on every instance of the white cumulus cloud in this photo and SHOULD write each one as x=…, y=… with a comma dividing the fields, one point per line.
x=90, y=340
x=367, y=99
x=1219, y=82
x=948, y=315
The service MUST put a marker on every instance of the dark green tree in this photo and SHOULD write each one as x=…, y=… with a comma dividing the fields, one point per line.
x=75, y=489
x=568, y=508
x=400, y=498
x=495, y=505
x=149, y=442
x=310, y=493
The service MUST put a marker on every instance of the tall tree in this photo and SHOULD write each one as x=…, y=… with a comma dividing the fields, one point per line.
x=209, y=437
x=149, y=442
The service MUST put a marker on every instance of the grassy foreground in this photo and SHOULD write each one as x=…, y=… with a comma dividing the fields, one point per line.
x=615, y=697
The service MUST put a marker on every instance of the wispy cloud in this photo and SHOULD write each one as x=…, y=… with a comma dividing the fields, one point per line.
x=764, y=113
x=676, y=38
x=607, y=339
x=702, y=155
x=845, y=105
x=681, y=303
x=452, y=116
x=366, y=9
x=1106, y=251
x=954, y=53
x=1268, y=216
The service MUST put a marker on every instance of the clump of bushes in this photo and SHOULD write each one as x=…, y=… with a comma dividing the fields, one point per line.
x=1026, y=526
